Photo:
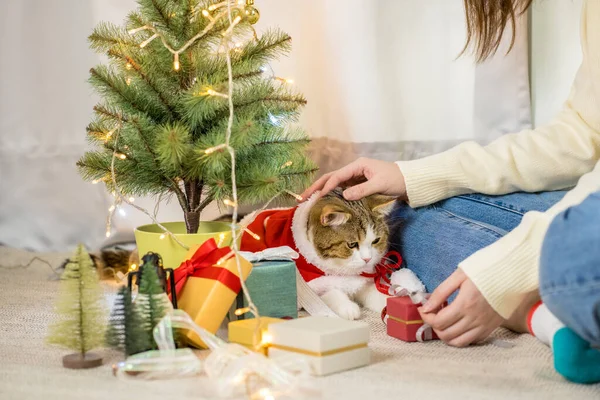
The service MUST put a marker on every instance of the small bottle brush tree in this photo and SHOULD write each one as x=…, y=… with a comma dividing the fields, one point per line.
x=125, y=331
x=151, y=302
x=81, y=314
x=164, y=119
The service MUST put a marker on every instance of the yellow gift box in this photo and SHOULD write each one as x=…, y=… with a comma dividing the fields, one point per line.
x=243, y=331
x=207, y=283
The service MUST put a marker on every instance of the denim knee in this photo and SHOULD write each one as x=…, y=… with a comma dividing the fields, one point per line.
x=570, y=268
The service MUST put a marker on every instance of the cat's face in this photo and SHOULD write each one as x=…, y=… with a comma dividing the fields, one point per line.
x=350, y=237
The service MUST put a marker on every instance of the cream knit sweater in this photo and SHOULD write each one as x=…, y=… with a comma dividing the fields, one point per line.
x=560, y=155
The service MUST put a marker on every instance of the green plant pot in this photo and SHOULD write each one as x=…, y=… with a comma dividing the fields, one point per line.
x=152, y=238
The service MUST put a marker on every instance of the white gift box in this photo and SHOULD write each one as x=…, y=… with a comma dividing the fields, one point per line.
x=329, y=344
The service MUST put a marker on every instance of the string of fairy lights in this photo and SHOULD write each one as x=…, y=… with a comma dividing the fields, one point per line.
x=225, y=9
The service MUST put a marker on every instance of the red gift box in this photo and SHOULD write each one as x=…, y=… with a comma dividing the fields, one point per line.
x=404, y=320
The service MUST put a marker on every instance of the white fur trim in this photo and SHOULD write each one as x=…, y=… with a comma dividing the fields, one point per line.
x=248, y=219
x=406, y=279
x=299, y=232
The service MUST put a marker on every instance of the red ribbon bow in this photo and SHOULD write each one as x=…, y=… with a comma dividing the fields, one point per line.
x=203, y=265
x=384, y=270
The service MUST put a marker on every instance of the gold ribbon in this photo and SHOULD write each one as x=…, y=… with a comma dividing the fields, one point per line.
x=318, y=353
x=412, y=322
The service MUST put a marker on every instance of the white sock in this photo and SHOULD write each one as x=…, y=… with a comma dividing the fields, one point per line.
x=542, y=323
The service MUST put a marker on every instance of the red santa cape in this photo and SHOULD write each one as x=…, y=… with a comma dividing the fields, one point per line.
x=277, y=227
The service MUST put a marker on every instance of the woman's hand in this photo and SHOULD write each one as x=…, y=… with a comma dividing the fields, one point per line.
x=469, y=319
x=362, y=178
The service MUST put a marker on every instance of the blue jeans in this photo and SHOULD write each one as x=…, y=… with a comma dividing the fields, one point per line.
x=434, y=239
x=570, y=268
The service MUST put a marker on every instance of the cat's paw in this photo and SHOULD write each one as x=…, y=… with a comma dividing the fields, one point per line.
x=341, y=305
x=349, y=310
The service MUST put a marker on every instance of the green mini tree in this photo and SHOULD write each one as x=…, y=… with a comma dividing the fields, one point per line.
x=125, y=331
x=164, y=115
x=150, y=303
x=81, y=312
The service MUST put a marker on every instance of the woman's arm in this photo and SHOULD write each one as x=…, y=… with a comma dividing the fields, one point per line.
x=551, y=157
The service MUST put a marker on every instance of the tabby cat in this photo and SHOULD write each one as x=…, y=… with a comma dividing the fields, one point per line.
x=338, y=240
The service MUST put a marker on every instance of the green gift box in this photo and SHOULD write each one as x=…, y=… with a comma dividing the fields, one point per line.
x=272, y=286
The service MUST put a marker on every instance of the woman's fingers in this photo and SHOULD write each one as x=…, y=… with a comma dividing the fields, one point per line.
x=467, y=338
x=342, y=175
x=455, y=330
x=318, y=185
x=444, y=291
x=359, y=191
x=447, y=317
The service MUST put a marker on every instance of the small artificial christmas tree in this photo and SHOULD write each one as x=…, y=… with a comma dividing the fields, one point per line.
x=151, y=302
x=125, y=331
x=164, y=111
x=81, y=312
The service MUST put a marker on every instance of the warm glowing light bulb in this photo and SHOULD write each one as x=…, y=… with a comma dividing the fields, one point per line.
x=111, y=208
x=241, y=311
x=229, y=203
x=176, y=65
x=131, y=199
x=122, y=156
x=294, y=195
x=128, y=66
x=206, y=13
x=290, y=81
x=254, y=235
x=107, y=233
x=211, y=92
x=162, y=236
x=287, y=164
x=266, y=394
x=132, y=267
x=128, y=81
x=267, y=338
x=95, y=181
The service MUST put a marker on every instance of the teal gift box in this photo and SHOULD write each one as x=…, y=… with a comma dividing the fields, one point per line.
x=272, y=286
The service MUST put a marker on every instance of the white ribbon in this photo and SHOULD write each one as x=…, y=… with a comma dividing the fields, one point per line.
x=271, y=254
x=310, y=301
x=417, y=297
x=228, y=365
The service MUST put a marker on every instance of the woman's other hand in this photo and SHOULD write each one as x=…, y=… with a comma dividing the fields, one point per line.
x=362, y=178
x=468, y=319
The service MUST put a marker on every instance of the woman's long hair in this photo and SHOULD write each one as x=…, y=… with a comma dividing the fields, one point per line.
x=486, y=22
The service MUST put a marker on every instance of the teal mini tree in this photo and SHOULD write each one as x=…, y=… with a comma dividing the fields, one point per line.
x=125, y=331
x=164, y=114
x=81, y=313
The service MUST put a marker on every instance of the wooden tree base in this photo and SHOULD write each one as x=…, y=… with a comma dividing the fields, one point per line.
x=76, y=361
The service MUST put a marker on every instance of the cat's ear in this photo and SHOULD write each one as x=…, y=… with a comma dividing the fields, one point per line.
x=382, y=205
x=332, y=215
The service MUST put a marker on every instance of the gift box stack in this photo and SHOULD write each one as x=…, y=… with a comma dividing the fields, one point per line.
x=206, y=285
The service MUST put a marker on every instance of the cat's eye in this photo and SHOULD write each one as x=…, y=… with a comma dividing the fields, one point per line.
x=376, y=240
x=353, y=245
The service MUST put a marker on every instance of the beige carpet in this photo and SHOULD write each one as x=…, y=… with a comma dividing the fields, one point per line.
x=31, y=370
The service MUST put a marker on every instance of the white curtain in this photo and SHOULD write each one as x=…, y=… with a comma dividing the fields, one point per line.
x=381, y=77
